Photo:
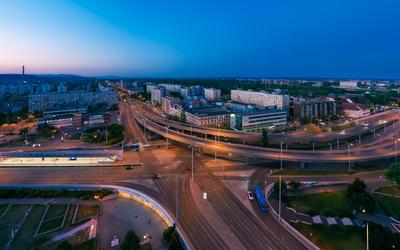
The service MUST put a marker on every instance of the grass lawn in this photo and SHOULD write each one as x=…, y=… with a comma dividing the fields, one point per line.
x=2, y=208
x=55, y=211
x=51, y=224
x=86, y=212
x=24, y=238
x=327, y=203
x=333, y=237
x=393, y=190
x=389, y=205
x=9, y=221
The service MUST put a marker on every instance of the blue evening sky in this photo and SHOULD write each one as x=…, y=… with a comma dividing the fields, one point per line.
x=288, y=38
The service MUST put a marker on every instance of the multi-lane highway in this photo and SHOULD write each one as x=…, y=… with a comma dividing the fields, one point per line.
x=372, y=152
x=246, y=227
x=374, y=122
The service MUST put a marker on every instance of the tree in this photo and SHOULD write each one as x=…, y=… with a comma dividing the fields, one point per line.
x=171, y=238
x=393, y=173
x=131, y=241
x=358, y=196
x=382, y=238
x=23, y=131
x=275, y=194
x=294, y=184
x=65, y=245
x=264, y=138
x=183, y=116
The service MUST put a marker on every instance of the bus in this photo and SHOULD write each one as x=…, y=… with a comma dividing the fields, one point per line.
x=132, y=147
x=262, y=202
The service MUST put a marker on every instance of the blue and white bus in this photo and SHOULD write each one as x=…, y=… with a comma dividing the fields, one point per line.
x=262, y=202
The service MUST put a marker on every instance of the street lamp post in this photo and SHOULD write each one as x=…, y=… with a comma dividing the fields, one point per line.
x=395, y=151
x=192, y=163
x=367, y=237
x=280, y=185
x=313, y=146
x=177, y=199
x=330, y=146
x=348, y=155
x=144, y=128
x=166, y=137
x=337, y=142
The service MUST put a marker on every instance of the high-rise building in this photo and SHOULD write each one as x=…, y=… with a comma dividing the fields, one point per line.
x=80, y=98
x=172, y=88
x=157, y=94
x=260, y=98
x=212, y=94
x=150, y=86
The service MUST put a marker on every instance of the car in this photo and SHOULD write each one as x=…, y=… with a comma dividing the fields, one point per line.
x=35, y=145
x=72, y=158
x=250, y=195
x=157, y=176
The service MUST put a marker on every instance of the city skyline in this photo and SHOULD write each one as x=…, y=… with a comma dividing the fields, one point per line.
x=266, y=39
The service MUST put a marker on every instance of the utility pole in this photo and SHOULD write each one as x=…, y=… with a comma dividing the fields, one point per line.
x=367, y=237
x=280, y=186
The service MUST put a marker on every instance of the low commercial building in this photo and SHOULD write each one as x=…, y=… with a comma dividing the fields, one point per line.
x=258, y=119
x=208, y=117
x=355, y=110
x=348, y=85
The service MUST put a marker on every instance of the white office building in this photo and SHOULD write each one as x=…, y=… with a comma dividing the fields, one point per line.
x=212, y=94
x=260, y=98
x=172, y=88
x=348, y=85
x=258, y=119
x=150, y=87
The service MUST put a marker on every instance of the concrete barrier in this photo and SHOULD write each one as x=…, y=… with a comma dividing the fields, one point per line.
x=129, y=193
x=296, y=234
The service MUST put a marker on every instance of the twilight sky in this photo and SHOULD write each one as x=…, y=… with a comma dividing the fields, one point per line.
x=207, y=38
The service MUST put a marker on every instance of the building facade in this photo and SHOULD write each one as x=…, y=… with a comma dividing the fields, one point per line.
x=354, y=110
x=81, y=98
x=260, y=98
x=258, y=119
x=157, y=94
x=307, y=111
x=208, y=117
x=212, y=94
x=170, y=87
